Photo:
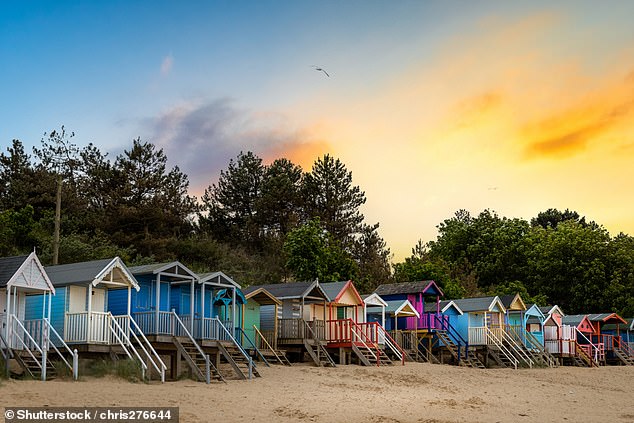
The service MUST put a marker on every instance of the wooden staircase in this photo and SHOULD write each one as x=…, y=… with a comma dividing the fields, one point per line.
x=501, y=358
x=32, y=364
x=196, y=361
x=317, y=351
x=624, y=357
x=371, y=356
x=471, y=360
x=270, y=353
x=422, y=354
x=582, y=359
x=238, y=361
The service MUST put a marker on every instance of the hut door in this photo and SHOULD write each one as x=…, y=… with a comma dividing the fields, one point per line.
x=98, y=299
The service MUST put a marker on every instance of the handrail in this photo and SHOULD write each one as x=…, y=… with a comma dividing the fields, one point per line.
x=620, y=344
x=269, y=347
x=541, y=348
x=391, y=343
x=597, y=353
x=136, y=328
x=354, y=328
x=72, y=367
x=136, y=353
x=242, y=351
x=200, y=350
x=453, y=333
x=9, y=353
x=317, y=341
x=12, y=318
x=257, y=351
x=517, y=348
x=502, y=347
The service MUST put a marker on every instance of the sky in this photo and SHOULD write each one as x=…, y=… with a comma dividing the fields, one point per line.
x=434, y=106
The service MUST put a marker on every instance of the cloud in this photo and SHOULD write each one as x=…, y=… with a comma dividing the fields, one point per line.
x=166, y=65
x=201, y=137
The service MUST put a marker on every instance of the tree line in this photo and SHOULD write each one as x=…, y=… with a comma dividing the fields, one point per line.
x=271, y=223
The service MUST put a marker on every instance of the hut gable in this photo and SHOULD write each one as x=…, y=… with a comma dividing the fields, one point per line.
x=374, y=300
x=343, y=293
x=480, y=304
x=580, y=321
x=25, y=272
x=513, y=302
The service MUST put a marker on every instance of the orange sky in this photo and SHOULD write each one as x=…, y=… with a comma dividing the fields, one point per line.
x=503, y=118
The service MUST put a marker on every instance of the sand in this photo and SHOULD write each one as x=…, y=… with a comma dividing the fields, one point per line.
x=423, y=393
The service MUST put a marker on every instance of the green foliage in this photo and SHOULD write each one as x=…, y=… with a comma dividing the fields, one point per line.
x=313, y=254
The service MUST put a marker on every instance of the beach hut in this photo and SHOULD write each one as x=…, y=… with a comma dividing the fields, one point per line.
x=616, y=351
x=30, y=339
x=169, y=310
x=82, y=315
x=259, y=330
x=531, y=343
x=348, y=335
x=483, y=324
x=223, y=302
x=377, y=306
x=578, y=331
x=301, y=319
x=418, y=294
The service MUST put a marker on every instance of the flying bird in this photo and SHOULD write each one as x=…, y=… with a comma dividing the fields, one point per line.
x=318, y=69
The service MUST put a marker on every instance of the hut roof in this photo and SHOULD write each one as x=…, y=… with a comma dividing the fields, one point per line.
x=468, y=305
x=292, y=290
x=25, y=272
x=9, y=266
x=111, y=270
x=426, y=287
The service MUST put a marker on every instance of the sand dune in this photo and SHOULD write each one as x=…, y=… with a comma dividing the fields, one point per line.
x=421, y=393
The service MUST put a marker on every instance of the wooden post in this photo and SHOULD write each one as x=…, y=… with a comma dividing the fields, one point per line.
x=158, y=302
x=191, y=307
x=233, y=311
x=89, y=316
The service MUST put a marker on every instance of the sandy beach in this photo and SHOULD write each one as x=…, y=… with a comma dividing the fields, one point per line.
x=423, y=393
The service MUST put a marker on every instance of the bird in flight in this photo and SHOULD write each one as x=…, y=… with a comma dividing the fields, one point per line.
x=318, y=69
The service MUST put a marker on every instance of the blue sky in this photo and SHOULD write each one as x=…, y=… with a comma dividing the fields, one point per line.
x=433, y=105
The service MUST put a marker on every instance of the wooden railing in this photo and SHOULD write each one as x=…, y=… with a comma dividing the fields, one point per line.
x=432, y=321
x=405, y=338
x=478, y=335
x=295, y=328
x=623, y=346
x=147, y=322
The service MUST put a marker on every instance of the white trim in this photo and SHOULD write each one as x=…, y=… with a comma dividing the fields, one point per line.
x=452, y=304
x=116, y=263
x=30, y=259
x=375, y=299
x=207, y=279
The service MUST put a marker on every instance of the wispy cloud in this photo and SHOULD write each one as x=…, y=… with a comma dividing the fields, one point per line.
x=167, y=64
x=201, y=137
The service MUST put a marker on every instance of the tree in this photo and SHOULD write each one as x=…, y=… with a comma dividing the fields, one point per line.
x=330, y=195
x=279, y=205
x=420, y=266
x=313, y=254
x=552, y=217
x=569, y=265
x=152, y=204
x=16, y=177
x=231, y=205
x=372, y=256
x=60, y=157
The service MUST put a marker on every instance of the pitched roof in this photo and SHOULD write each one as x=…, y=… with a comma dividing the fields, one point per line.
x=64, y=274
x=88, y=272
x=8, y=267
x=468, y=305
x=155, y=268
x=443, y=305
x=426, y=287
x=508, y=300
x=25, y=272
x=219, y=277
x=335, y=290
x=291, y=290
x=606, y=318
x=262, y=297
x=396, y=307
x=374, y=299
